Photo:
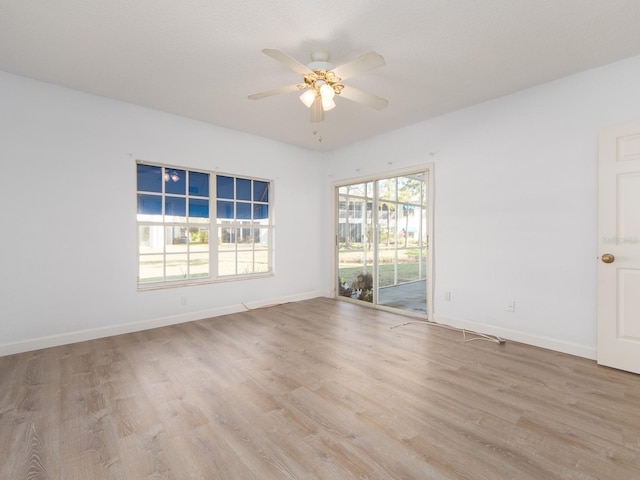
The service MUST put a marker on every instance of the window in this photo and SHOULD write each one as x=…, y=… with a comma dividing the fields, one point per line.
x=177, y=211
x=354, y=208
x=242, y=210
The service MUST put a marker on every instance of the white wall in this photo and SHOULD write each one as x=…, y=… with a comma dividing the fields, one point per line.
x=515, y=209
x=68, y=201
x=515, y=203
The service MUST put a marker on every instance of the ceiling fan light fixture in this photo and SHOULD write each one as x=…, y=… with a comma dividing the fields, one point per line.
x=321, y=82
x=328, y=104
x=308, y=97
x=327, y=92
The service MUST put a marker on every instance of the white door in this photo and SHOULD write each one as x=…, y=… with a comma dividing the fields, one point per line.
x=619, y=247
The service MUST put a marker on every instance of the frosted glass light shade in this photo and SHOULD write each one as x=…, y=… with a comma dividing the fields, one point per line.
x=328, y=104
x=327, y=92
x=307, y=97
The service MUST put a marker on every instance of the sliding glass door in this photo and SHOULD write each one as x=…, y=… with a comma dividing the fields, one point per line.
x=383, y=241
x=355, y=234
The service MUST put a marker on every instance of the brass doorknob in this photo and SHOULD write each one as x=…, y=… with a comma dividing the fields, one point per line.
x=608, y=258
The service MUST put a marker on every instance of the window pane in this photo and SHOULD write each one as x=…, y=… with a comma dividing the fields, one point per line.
x=198, y=208
x=245, y=239
x=149, y=204
x=199, y=184
x=261, y=237
x=150, y=239
x=261, y=252
x=260, y=212
x=357, y=190
x=175, y=206
x=176, y=239
x=199, y=265
x=225, y=209
x=387, y=188
x=150, y=268
x=243, y=189
x=149, y=178
x=226, y=263
x=227, y=236
x=176, y=267
x=261, y=261
x=245, y=262
x=175, y=181
x=260, y=191
x=243, y=211
x=224, y=187
x=410, y=189
x=199, y=239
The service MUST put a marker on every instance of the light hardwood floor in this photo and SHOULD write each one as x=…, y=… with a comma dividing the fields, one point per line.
x=316, y=389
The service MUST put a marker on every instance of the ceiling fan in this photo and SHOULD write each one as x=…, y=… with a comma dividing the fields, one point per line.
x=321, y=82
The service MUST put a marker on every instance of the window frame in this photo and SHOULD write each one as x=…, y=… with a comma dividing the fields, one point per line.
x=238, y=225
x=212, y=224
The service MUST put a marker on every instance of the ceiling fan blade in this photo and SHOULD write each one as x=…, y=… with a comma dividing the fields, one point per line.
x=317, y=112
x=365, y=62
x=364, y=98
x=285, y=59
x=275, y=91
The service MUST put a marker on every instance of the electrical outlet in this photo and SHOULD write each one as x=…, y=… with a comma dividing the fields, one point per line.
x=447, y=296
x=511, y=306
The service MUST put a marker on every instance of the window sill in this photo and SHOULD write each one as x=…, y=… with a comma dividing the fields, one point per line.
x=192, y=283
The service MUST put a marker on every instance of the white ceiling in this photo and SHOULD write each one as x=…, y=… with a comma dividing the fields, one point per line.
x=201, y=58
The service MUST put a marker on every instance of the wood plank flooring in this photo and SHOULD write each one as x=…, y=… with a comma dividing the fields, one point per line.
x=320, y=389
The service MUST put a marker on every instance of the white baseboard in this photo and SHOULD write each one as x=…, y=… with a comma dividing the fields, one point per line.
x=522, y=337
x=108, y=331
